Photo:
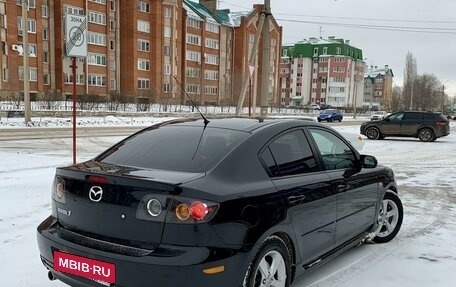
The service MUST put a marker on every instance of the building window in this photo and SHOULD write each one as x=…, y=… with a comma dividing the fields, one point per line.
x=339, y=69
x=167, y=51
x=192, y=89
x=315, y=52
x=112, y=6
x=96, y=39
x=96, y=17
x=193, y=56
x=143, y=65
x=45, y=57
x=31, y=3
x=32, y=50
x=167, y=12
x=193, y=23
x=68, y=78
x=212, y=43
x=338, y=50
x=212, y=27
x=167, y=88
x=143, y=45
x=46, y=79
x=97, y=80
x=112, y=25
x=33, y=74
x=192, y=72
x=211, y=59
x=143, y=83
x=111, y=45
x=167, y=69
x=143, y=6
x=96, y=59
x=31, y=25
x=99, y=1
x=112, y=63
x=73, y=10
x=211, y=75
x=45, y=34
x=167, y=31
x=210, y=90
x=193, y=39
x=112, y=83
x=44, y=11
x=143, y=26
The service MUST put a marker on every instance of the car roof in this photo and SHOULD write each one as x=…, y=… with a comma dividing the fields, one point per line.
x=241, y=124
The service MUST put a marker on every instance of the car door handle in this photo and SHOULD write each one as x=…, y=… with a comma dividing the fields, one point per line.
x=296, y=198
x=343, y=187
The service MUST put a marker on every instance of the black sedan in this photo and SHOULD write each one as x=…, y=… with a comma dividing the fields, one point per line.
x=230, y=202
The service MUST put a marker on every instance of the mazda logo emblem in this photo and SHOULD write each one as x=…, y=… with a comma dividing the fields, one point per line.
x=95, y=193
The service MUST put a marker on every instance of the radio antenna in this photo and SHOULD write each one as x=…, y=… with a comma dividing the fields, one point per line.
x=191, y=100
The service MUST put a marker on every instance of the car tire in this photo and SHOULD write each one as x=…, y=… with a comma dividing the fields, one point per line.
x=273, y=250
x=330, y=120
x=373, y=133
x=319, y=120
x=340, y=120
x=389, y=218
x=426, y=135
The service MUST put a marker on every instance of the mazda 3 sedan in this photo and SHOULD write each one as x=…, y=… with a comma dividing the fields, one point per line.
x=226, y=202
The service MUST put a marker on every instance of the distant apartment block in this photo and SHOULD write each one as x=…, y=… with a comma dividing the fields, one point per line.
x=140, y=48
x=322, y=71
x=378, y=88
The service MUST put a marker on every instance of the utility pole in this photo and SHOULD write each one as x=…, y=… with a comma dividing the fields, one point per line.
x=266, y=61
x=26, y=72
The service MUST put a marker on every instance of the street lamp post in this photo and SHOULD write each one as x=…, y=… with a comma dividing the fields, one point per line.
x=443, y=96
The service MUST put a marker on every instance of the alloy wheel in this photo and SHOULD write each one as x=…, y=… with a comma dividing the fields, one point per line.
x=388, y=218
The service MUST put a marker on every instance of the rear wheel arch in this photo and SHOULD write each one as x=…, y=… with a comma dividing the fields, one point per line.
x=423, y=134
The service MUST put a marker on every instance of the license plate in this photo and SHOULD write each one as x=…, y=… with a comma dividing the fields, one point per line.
x=99, y=271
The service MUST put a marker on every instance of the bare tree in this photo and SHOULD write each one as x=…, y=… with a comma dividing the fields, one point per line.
x=410, y=74
x=428, y=93
x=397, y=99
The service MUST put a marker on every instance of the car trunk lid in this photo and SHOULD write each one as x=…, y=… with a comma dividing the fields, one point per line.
x=110, y=202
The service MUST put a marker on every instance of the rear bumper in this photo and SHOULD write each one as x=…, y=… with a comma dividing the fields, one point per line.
x=170, y=266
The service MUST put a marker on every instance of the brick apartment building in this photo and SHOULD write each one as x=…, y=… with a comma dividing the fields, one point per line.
x=137, y=48
x=378, y=88
x=322, y=71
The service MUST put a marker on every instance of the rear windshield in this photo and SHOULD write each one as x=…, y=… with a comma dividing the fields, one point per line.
x=179, y=148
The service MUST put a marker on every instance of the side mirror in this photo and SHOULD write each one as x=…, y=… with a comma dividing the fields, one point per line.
x=368, y=161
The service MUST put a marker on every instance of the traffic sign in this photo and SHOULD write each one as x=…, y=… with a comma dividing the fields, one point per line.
x=75, y=35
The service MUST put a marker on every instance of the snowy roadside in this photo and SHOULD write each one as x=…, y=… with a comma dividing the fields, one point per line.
x=423, y=254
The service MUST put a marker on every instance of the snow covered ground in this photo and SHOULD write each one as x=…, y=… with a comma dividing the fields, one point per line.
x=423, y=253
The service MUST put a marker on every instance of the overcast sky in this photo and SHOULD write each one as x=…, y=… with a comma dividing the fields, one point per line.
x=433, y=43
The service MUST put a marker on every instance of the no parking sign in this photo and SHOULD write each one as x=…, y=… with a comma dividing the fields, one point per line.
x=75, y=35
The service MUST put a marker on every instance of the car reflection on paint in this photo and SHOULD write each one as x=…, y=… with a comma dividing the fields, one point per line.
x=226, y=202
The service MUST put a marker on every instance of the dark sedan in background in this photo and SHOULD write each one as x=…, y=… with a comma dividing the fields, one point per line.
x=228, y=202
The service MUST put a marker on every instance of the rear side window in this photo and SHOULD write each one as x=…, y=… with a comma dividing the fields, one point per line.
x=428, y=117
x=291, y=155
x=180, y=148
x=412, y=117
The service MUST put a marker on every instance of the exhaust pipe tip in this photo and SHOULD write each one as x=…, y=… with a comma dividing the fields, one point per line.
x=51, y=276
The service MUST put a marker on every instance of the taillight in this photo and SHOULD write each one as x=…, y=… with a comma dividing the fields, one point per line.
x=187, y=210
x=440, y=123
x=165, y=208
x=58, y=190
